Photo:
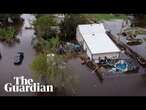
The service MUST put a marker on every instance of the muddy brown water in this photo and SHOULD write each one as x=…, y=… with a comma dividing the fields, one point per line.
x=7, y=69
x=88, y=83
x=121, y=85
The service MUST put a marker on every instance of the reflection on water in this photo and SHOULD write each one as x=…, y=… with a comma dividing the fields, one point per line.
x=88, y=84
x=7, y=69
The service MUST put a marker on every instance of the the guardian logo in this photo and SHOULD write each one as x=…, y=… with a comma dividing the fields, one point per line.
x=26, y=85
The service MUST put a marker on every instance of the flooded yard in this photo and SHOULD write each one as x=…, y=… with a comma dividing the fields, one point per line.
x=88, y=81
x=115, y=27
x=90, y=85
x=132, y=84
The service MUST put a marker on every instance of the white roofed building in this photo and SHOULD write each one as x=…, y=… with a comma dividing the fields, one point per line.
x=96, y=42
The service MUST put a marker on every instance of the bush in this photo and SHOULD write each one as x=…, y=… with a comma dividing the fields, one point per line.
x=7, y=33
x=53, y=42
x=53, y=70
x=69, y=25
x=43, y=24
x=44, y=46
x=49, y=34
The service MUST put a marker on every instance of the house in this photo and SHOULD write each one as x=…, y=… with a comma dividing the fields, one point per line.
x=96, y=43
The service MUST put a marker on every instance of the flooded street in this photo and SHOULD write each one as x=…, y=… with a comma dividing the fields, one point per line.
x=88, y=82
x=116, y=85
x=7, y=68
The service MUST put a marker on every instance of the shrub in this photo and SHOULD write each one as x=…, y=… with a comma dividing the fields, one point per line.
x=43, y=24
x=7, y=33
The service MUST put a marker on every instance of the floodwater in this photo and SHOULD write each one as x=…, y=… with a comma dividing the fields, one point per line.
x=88, y=83
x=121, y=85
x=116, y=85
x=115, y=27
x=7, y=69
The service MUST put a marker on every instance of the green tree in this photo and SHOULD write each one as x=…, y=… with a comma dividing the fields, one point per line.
x=43, y=24
x=139, y=20
x=54, y=41
x=51, y=69
x=10, y=25
x=69, y=24
x=14, y=17
x=39, y=64
x=49, y=45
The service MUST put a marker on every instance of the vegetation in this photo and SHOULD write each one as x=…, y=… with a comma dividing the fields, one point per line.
x=9, y=26
x=144, y=39
x=139, y=20
x=71, y=21
x=53, y=42
x=39, y=65
x=46, y=35
x=44, y=46
x=53, y=70
x=43, y=25
x=4, y=19
x=7, y=33
x=101, y=17
x=40, y=45
x=69, y=25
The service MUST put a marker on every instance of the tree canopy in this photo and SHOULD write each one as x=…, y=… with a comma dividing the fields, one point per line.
x=139, y=20
x=43, y=24
x=4, y=17
x=54, y=70
x=69, y=24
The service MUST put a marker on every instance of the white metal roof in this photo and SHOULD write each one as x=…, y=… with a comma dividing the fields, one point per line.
x=96, y=39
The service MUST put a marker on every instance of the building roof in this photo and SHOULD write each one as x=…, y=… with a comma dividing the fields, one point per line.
x=96, y=38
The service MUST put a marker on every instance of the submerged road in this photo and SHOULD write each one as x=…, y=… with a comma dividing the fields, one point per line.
x=7, y=69
x=87, y=82
x=116, y=85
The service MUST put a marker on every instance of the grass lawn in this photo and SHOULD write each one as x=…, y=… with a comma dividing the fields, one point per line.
x=101, y=17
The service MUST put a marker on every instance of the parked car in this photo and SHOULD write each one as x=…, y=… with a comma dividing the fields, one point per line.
x=19, y=58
